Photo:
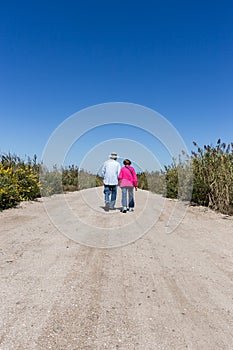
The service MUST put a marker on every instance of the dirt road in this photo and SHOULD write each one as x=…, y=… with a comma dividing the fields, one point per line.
x=161, y=291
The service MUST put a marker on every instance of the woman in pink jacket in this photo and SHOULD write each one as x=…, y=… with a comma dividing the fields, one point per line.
x=127, y=181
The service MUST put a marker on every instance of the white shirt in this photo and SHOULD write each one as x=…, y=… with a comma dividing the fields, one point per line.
x=110, y=172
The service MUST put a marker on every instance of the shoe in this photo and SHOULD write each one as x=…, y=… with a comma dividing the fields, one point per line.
x=112, y=208
x=131, y=209
x=107, y=206
x=124, y=210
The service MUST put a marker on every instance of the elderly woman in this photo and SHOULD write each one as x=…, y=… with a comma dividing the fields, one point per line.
x=127, y=181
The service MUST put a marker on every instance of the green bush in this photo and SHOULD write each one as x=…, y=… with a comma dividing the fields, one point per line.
x=213, y=176
x=153, y=181
x=88, y=180
x=171, y=177
x=51, y=181
x=143, y=180
x=70, y=180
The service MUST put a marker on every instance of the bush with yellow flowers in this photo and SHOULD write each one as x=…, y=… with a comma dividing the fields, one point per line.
x=18, y=182
x=8, y=188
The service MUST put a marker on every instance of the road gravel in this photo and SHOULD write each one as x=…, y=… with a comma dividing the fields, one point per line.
x=158, y=278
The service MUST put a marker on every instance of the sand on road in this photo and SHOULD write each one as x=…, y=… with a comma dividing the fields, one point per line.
x=126, y=284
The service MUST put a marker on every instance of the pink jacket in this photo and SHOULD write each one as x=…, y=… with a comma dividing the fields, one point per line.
x=128, y=177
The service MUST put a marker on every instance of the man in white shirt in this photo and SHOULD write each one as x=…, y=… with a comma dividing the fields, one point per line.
x=110, y=172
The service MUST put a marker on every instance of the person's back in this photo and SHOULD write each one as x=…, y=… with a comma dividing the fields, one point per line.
x=128, y=181
x=128, y=177
x=110, y=173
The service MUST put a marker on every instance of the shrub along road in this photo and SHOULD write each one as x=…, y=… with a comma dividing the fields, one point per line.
x=162, y=291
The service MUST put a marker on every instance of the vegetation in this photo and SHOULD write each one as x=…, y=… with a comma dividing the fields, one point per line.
x=22, y=180
x=67, y=180
x=206, y=179
x=213, y=177
x=19, y=181
x=152, y=181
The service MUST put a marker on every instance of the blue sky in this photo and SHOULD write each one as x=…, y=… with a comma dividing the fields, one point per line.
x=59, y=57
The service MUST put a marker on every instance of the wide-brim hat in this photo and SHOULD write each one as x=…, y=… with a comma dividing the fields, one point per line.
x=113, y=155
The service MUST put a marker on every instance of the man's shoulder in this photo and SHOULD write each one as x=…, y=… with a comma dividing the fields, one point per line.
x=117, y=163
x=112, y=162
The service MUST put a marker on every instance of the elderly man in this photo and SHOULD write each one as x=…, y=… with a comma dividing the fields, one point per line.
x=110, y=173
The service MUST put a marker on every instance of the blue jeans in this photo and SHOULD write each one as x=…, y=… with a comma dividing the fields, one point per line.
x=110, y=191
x=127, y=191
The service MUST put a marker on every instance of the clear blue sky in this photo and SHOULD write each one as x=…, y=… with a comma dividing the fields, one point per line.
x=58, y=57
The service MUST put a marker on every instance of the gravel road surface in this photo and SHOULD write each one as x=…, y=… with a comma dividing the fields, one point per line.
x=158, y=278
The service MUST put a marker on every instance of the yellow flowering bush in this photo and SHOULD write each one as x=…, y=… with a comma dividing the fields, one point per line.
x=17, y=184
x=8, y=188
